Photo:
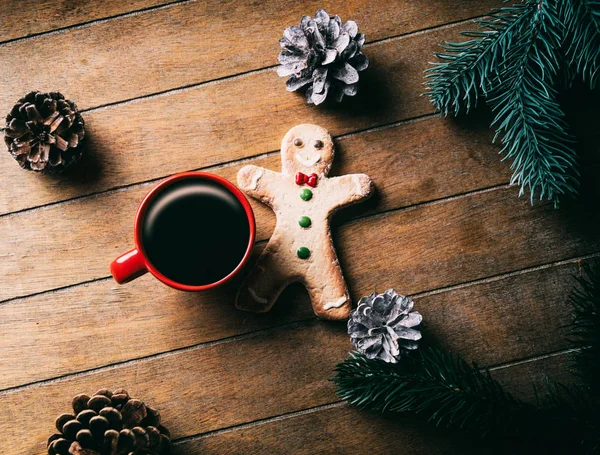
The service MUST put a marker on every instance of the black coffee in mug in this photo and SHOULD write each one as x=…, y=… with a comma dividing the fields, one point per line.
x=195, y=232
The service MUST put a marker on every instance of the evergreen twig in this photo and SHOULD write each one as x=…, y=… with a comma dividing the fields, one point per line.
x=513, y=61
x=471, y=67
x=582, y=22
x=448, y=392
x=444, y=389
x=528, y=115
x=585, y=328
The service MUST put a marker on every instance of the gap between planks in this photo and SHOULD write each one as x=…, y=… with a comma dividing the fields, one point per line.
x=301, y=322
x=339, y=404
x=226, y=78
x=85, y=24
x=260, y=242
x=215, y=167
x=243, y=74
x=258, y=422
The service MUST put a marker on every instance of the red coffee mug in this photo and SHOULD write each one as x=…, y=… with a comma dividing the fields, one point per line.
x=135, y=262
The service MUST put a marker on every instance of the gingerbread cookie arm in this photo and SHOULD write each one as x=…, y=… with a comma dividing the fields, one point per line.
x=349, y=189
x=258, y=182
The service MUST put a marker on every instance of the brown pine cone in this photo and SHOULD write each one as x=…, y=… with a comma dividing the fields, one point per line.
x=44, y=131
x=109, y=423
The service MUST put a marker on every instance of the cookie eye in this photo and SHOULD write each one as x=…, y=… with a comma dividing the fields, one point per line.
x=298, y=142
x=318, y=144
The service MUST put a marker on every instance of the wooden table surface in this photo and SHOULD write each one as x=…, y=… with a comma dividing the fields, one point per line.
x=168, y=86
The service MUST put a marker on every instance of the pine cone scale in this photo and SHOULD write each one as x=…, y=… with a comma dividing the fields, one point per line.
x=16, y=128
x=341, y=43
x=294, y=83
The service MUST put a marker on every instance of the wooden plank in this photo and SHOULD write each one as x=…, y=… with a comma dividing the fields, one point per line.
x=533, y=375
x=343, y=429
x=184, y=44
x=199, y=390
x=431, y=246
x=337, y=430
x=523, y=313
x=463, y=239
x=223, y=121
x=151, y=319
x=49, y=335
x=392, y=157
x=22, y=18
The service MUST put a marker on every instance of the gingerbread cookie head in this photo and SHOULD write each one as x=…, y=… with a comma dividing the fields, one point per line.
x=307, y=149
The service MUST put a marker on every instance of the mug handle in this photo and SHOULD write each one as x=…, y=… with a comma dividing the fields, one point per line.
x=128, y=266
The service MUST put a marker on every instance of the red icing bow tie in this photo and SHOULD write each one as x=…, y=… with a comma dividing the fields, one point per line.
x=310, y=180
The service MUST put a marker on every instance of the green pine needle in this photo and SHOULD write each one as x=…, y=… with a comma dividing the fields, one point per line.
x=585, y=328
x=573, y=413
x=528, y=116
x=468, y=69
x=444, y=389
x=513, y=61
x=448, y=392
x=582, y=20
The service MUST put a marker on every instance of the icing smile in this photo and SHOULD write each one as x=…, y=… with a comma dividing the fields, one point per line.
x=309, y=160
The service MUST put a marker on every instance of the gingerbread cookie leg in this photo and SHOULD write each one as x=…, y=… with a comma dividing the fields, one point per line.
x=326, y=286
x=264, y=284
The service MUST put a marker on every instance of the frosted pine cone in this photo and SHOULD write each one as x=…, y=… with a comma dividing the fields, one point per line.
x=323, y=55
x=383, y=326
x=44, y=132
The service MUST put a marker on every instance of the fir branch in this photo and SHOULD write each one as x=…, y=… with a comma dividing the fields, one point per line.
x=528, y=116
x=585, y=328
x=444, y=389
x=449, y=393
x=469, y=67
x=574, y=411
x=582, y=21
x=513, y=61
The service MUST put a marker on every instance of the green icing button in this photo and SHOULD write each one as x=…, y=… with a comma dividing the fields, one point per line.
x=304, y=221
x=303, y=252
x=306, y=194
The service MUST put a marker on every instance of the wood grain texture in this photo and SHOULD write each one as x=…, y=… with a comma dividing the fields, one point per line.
x=344, y=430
x=478, y=319
x=469, y=237
x=393, y=158
x=206, y=366
x=435, y=245
x=188, y=43
x=337, y=430
x=202, y=389
x=221, y=122
x=150, y=319
x=21, y=18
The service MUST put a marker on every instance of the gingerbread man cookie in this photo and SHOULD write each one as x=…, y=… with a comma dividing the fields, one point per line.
x=301, y=249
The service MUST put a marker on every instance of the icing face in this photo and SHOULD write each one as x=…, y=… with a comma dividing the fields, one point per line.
x=307, y=149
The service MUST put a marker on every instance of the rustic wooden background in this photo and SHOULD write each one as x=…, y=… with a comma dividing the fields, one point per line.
x=169, y=86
